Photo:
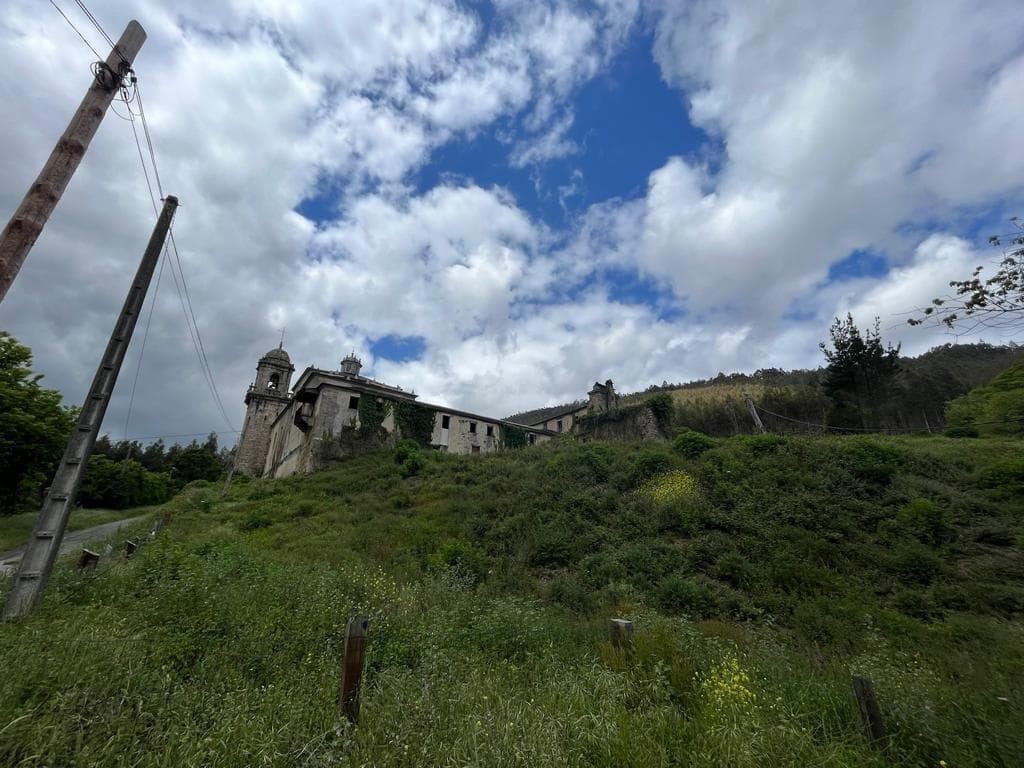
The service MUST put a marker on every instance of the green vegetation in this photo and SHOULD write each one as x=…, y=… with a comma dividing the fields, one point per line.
x=414, y=421
x=914, y=398
x=761, y=572
x=995, y=409
x=34, y=427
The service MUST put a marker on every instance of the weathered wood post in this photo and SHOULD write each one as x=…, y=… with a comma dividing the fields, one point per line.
x=874, y=728
x=129, y=548
x=88, y=560
x=620, y=633
x=352, y=667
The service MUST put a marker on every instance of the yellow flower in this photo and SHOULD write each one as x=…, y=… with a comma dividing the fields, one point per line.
x=670, y=487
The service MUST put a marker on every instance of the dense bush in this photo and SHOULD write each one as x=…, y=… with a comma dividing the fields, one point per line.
x=691, y=443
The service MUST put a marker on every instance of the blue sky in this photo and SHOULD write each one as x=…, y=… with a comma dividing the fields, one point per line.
x=496, y=204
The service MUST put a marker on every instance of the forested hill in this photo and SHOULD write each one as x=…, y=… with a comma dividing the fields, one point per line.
x=922, y=387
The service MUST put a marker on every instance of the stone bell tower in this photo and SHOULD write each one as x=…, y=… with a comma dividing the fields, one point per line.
x=266, y=398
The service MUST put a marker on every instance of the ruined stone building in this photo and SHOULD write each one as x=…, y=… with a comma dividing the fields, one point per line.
x=327, y=412
x=601, y=398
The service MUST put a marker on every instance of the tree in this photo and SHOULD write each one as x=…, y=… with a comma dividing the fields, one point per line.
x=859, y=374
x=997, y=302
x=34, y=428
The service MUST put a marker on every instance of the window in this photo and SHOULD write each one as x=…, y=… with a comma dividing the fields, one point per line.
x=531, y=438
x=490, y=430
x=353, y=402
x=558, y=425
x=476, y=449
x=472, y=427
x=275, y=381
x=446, y=422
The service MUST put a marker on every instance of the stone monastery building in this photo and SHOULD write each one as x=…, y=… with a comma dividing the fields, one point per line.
x=294, y=432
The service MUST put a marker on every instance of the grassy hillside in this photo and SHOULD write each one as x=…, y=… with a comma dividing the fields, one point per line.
x=760, y=573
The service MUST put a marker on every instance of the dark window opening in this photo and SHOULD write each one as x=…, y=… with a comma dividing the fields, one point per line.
x=446, y=422
x=476, y=449
x=531, y=438
x=472, y=427
x=353, y=402
x=490, y=431
x=558, y=425
x=275, y=381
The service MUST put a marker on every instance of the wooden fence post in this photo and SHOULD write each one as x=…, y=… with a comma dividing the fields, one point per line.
x=620, y=633
x=874, y=728
x=129, y=548
x=352, y=667
x=88, y=560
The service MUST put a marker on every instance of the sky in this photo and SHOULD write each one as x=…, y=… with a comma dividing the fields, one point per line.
x=496, y=203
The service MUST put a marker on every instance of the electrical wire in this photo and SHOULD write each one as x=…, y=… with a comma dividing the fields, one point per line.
x=180, y=283
x=72, y=25
x=898, y=431
x=95, y=22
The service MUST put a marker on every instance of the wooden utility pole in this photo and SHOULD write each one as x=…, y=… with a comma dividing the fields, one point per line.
x=753, y=413
x=27, y=222
x=44, y=544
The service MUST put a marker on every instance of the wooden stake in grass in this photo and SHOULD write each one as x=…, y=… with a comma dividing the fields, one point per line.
x=352, y=667
x=620, y=633
x=88, y=560
x=874, y=728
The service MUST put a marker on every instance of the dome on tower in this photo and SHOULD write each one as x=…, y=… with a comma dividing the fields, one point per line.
x=277, y=354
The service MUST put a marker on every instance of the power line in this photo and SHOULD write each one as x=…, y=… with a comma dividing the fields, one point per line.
x=898, y=431
x=181, y=286
x=72, y=25
x=95, y=23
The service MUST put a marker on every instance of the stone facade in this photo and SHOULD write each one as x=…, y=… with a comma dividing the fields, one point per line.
x=287, y=434
x=266, y=398
x=602, y=397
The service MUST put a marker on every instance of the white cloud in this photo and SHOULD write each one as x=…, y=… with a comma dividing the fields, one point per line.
x=837, y=128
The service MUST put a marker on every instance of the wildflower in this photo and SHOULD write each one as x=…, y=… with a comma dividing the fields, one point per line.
x=670, y=487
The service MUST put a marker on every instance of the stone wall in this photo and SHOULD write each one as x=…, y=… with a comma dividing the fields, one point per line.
x=255, y=439
x=636, y=422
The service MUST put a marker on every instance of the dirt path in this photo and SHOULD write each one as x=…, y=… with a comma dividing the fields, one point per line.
x=9, y=560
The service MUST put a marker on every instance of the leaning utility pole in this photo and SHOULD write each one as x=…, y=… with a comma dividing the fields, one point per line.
x=27, y=222
x=44, y=545
x=753, y=413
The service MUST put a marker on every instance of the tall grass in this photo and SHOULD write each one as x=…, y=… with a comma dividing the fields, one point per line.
x=489, y=582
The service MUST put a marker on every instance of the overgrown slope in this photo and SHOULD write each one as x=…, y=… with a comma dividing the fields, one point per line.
x=761, y=573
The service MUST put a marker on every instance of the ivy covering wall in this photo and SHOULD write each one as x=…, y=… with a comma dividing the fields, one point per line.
x=513, y=437
x=415, y=421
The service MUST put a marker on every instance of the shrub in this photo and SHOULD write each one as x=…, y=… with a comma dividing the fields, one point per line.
x=915, y=562
x=759, y=445
x=962, y=430
x=583, y=464
x=569, y=591
x=871, y=461
x=691, y=443
x=926, y=520
x=256, y=519
x=461, y=557
x=409, y=458
x=1005, y=477
x=678, y=593
x=647, y=464
x=404, y=449
x=600, y=570
x=735, y=569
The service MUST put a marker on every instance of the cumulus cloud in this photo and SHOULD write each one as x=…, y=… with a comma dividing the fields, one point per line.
x=837, y=131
